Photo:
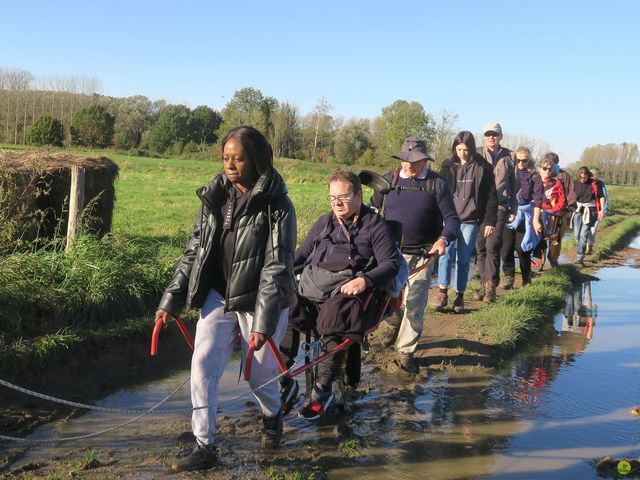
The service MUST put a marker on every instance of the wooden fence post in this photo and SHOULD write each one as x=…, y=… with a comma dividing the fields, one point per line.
x=76, y=202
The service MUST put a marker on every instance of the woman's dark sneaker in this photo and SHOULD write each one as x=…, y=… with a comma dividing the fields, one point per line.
x=458, y=303
x=197, y=457
x=272, y=426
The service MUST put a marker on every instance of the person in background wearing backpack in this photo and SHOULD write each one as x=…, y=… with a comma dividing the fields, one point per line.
x=421, y=201
x=601, y=185
x=589, y=209
x=488, y=246
x=471, y=180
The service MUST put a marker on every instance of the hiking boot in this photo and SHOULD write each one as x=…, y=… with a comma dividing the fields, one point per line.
x=458, y=303
x=318, y=405
x=289, y=389
x=442, y=300
x=508, y=281
x=489, y=292
x=198, y=457
x=407, y=363
x=272, y=426
x=479, y=295
x=390, y=335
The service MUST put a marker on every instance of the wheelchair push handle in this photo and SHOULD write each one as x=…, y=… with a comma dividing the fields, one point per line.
x=249, y=358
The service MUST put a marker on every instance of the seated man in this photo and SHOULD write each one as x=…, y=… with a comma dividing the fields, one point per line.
x=346, y=253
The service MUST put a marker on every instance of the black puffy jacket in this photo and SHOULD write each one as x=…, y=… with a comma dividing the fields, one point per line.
x=261, y=279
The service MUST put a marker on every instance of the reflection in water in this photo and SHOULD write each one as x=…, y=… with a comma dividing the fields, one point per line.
x=579, y=312
x=545, y=415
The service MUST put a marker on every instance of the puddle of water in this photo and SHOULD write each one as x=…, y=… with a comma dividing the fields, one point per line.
x=549, y=413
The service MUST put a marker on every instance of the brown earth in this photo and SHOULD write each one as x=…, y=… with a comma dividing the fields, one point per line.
x=444, y=345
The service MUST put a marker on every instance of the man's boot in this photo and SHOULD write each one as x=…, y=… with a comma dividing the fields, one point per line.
x=508, y=281
x=489, y=292
x=390, y=333
x=479, y=295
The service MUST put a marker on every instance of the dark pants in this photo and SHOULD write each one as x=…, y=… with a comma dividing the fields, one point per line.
x=511, y=240
x=488, y=250
x=337, y=318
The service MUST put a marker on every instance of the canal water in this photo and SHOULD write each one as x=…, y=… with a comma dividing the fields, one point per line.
x=546, y=414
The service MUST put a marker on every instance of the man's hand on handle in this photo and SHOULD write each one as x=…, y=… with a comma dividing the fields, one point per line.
x=440, y=247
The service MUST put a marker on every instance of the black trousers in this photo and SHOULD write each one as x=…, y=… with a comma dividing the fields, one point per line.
x=511, y=241
x=488, y=250
x=337, y=318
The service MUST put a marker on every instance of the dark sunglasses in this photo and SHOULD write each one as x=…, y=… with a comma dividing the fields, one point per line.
x=546, y=169
x=523, y=160
x=491, y=134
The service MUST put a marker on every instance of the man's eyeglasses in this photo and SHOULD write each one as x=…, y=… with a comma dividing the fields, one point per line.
x=546, y=169
x=491, y=134
x=344, y=198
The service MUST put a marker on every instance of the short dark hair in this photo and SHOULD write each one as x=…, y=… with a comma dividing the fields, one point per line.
x=468, y=139
x=346, y=176
x=553, y=156
x=255, y=144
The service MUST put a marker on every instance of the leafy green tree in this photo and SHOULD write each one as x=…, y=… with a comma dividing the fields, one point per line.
x=204, y=124
x=352, y=140
x=133, y=118
x=249, y=107
x=171, y=129
x=286, y=135
x=398, y=121
x=46, y=131
x=93, y=127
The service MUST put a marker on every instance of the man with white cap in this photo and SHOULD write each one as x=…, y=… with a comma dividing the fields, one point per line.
x=422, y=202
x=488, y=248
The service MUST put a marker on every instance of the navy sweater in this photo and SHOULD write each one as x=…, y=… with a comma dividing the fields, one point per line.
x=424, y=218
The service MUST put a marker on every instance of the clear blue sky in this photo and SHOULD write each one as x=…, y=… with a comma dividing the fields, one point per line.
x=565, y=72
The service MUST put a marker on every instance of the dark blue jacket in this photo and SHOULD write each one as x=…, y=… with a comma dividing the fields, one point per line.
x=371, y=247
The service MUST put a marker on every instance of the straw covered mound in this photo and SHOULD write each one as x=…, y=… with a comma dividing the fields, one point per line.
x=34, y=190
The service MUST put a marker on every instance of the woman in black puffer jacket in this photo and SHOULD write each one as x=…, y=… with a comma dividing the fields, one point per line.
x=237, y=268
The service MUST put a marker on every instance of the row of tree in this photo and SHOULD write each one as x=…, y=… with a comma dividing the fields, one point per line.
x=69, y=111
x=618, y=163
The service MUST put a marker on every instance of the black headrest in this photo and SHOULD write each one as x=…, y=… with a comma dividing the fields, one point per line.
x=375, y=181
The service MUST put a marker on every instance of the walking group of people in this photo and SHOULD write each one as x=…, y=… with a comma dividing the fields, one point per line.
x=238, y=265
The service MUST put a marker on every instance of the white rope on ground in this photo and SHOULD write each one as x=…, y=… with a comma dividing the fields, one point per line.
x=150, y=411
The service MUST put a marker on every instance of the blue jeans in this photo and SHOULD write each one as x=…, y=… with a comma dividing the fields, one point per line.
x=460, y=252
x=582, y=232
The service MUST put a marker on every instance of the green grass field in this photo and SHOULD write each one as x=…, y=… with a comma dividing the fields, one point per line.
x=155, y=198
